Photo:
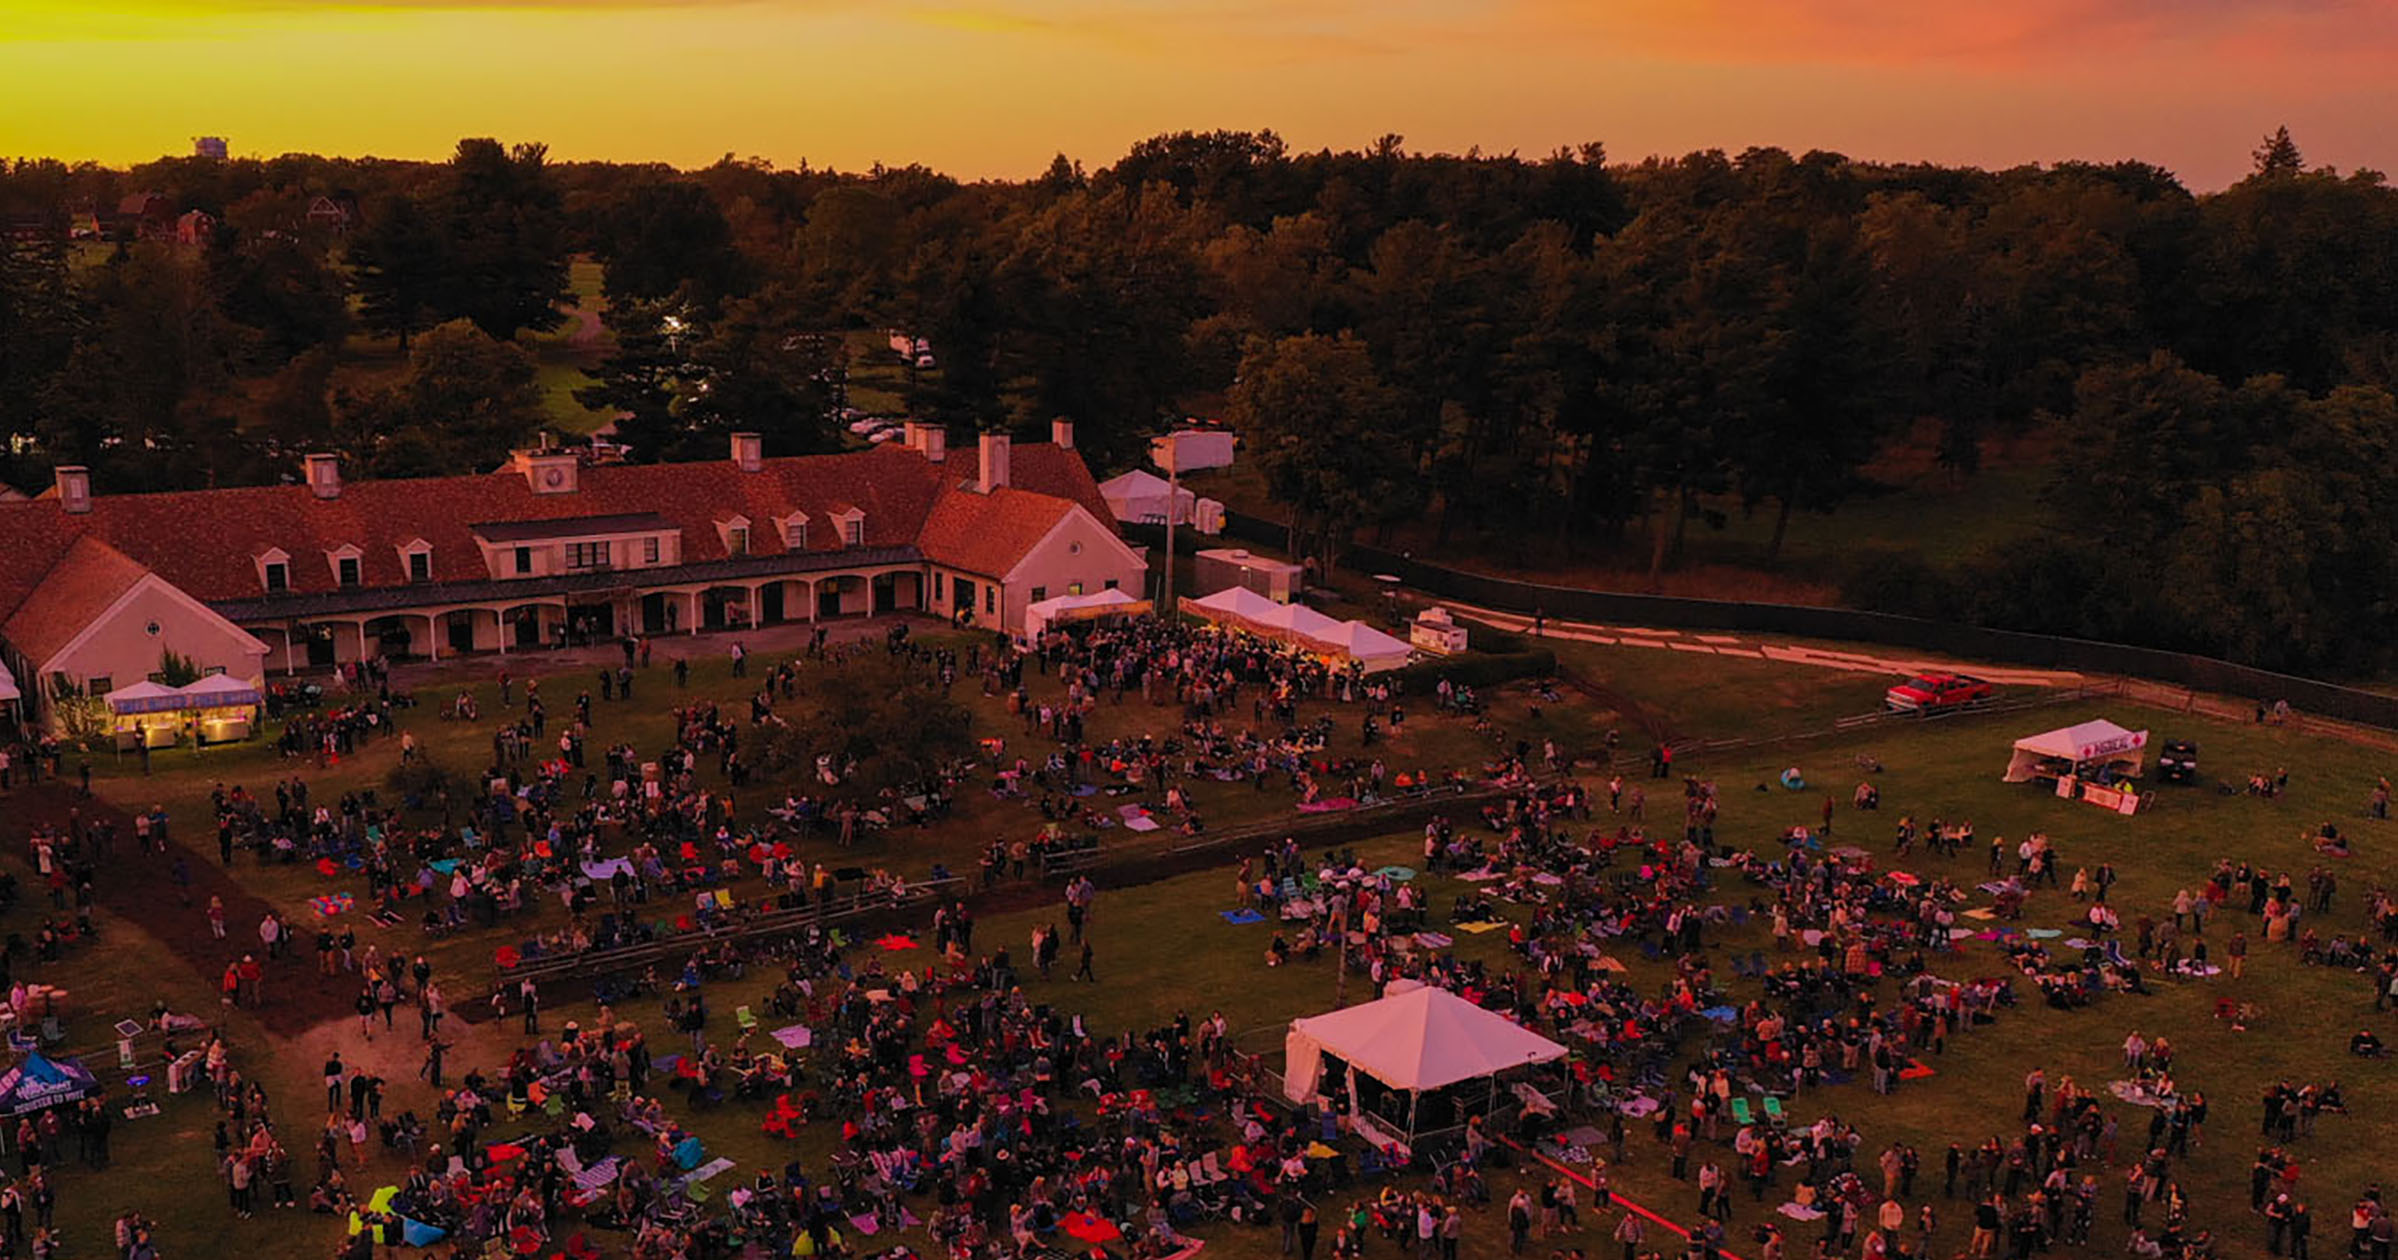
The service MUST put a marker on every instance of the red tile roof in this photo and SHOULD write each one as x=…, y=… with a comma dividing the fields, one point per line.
x=88, y=577
x=989, y=533
x=206, y=542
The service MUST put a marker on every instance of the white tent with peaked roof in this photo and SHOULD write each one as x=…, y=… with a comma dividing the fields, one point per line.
x=1140, y=496
x=1369, y=647
x=2079, y=749
x=1063, y=608
x=1413, y=1042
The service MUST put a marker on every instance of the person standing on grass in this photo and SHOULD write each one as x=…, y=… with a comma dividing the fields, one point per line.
x=1082, y=970
x=1631, y=1232
x=1519, y=1221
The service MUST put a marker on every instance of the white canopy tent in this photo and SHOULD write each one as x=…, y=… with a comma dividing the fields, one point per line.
x=8, y=684
x=1140, y=496
x=2083, y=749
x=1237, y=604
x=1063, y=608
x=1413, y=1042
x=145, y=697
x=1372, y=648
x=219, y=690
x=1302, y=626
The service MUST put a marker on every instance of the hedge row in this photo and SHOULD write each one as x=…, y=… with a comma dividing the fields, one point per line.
x=1477, y=669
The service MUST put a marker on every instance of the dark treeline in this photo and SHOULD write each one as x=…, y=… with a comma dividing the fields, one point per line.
x=1526, y=354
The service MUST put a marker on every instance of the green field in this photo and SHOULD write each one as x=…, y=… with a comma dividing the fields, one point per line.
x=1161, y=946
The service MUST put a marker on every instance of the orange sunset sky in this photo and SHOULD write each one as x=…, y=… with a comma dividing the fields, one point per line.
x=994, y=87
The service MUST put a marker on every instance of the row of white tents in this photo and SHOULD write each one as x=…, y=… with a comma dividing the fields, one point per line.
x=1301, y=627
x=217, y=691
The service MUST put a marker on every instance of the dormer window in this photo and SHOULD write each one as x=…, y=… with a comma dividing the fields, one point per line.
x=348, y=569
x=274, y=570
x=735, y=535
x=853, y=527
x=416, y=560
x=795, y=532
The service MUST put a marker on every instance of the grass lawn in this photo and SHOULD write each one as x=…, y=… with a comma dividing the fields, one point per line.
x=561, y=356
x=1161, y=946
x=1716, y=697
x=181, y=779
x=878, y=381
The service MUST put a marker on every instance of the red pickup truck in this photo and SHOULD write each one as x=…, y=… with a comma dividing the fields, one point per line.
x=1935, y=691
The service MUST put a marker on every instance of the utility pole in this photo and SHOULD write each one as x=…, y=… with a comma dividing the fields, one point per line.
x=1165, y=449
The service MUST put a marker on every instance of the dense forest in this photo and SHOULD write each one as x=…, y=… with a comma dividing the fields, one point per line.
x=1556, y=352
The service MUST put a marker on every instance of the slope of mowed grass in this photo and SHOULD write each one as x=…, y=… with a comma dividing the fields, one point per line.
x=1161, y=947
x=1952, y=772
x=1932, y=518
x=182, y=779
x=1707, y=696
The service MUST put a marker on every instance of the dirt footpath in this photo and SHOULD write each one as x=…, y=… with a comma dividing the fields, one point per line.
x=137, y=893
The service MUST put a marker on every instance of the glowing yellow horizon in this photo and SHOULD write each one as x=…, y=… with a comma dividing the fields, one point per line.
x=993, y=88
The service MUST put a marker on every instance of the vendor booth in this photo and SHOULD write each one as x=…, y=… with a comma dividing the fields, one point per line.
x=146, y=713
x=225, y=707
x=2093, y=761
x=1370, y=648
x=41, y=1082
x=1412, y=1063
x=1301, y=627
x=1065, y=609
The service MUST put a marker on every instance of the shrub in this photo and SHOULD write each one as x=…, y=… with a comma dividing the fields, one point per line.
x=1477, y=669
x=418, y=781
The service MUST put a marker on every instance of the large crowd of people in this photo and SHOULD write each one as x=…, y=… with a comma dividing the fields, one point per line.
x=975, y=1109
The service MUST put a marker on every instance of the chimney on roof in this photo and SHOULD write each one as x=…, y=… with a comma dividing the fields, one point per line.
x=74, y=483
x=928, y=439
x=749, y=452
x=994, y=462
x=324, y=475
x=1061, y=434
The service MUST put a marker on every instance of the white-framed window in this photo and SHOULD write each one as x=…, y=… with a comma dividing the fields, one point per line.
x=937, y=584
x=1111, y=584
x=1074, y=588
x=736, y=541
x=588, y=555
x=274, y=570
x=524, y=561
x=795, y=532
x=345, y=563
x=853, y=531
x=649, y=551
x=420, y=565
x=99, y=685
x=990, y=599
x=1040, y=593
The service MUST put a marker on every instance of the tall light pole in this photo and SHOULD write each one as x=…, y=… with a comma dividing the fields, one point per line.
x=1162, y=450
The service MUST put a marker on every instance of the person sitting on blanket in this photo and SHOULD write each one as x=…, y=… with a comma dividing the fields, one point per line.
x=2365, y=1044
